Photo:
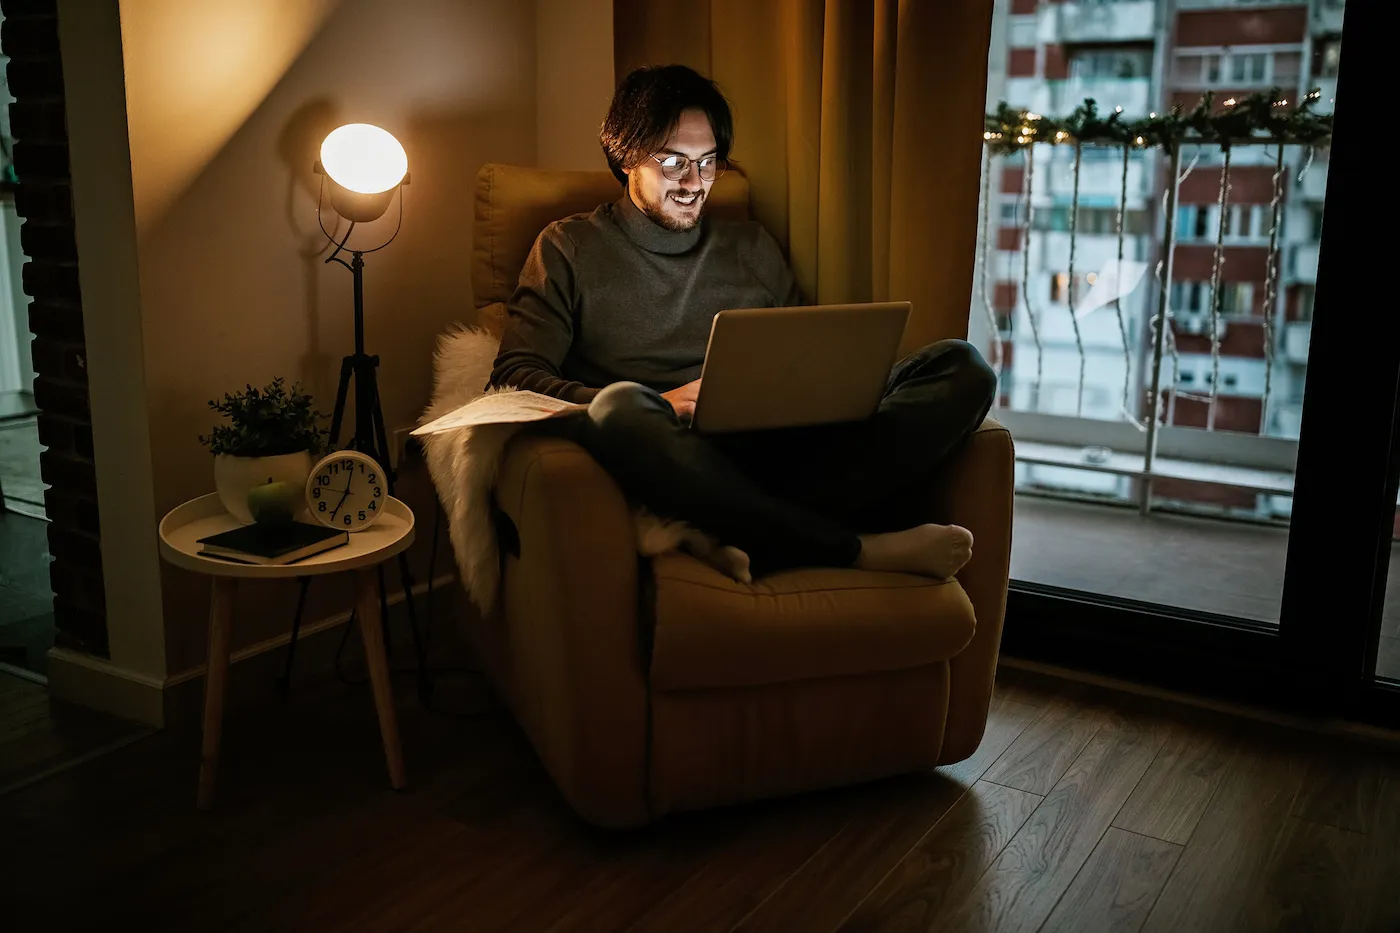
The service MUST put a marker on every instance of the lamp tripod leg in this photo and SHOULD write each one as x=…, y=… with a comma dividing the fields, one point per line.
x=405, y=575
x=284, y=683
x=342, y=394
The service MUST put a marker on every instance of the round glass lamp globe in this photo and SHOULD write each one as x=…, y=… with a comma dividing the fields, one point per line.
x=362, y=157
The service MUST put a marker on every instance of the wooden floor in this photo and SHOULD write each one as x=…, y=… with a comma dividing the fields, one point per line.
x=38, y=736
x=1084, y=810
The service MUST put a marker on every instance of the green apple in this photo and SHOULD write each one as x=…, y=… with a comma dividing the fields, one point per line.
x=274, y=503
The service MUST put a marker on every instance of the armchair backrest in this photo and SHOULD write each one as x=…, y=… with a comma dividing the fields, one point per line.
x=514, y=203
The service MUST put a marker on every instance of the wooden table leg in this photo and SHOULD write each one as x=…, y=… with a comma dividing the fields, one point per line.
x=372, y=628
x=215, y=677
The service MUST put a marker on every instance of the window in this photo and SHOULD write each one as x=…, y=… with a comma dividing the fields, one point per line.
x=1314, y=212
x=1288, y=66
x=1236, y=298
x=1328, y=56
x=1187, y=377
x=1258, y=69
x=1093, y=221
x=1189, y=296
x=1248, y=68
x=1111, y=63
x=1229, y=380
x=1011, y=214
x=1303, y=297
x=1059, y=286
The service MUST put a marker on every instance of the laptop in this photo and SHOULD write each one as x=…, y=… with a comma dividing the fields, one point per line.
x=790, y=367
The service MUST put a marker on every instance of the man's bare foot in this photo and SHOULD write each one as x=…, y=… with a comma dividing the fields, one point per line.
x=929, y=550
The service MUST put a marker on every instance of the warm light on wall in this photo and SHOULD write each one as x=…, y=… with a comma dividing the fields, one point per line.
x=363, y=158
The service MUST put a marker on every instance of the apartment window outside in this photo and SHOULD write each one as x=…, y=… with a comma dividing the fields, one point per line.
x=1329, y=57
x=1111, y=63
x=1092, y=221
x=1248, y=68
x=1237, y=68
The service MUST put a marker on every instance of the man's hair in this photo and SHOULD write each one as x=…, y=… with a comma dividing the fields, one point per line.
x=646, y=108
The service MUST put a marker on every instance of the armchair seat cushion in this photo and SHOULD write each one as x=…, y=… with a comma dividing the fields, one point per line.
x=713, y=632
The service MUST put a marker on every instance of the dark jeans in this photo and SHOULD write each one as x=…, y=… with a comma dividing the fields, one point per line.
x=793, y=497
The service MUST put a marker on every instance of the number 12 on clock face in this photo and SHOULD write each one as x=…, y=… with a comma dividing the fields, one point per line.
x=346, y=490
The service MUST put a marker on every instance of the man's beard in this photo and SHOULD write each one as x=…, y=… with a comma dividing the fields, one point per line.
x=655, y=210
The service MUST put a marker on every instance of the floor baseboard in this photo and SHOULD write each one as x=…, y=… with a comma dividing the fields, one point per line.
x=179, y=698
x=1342, y=728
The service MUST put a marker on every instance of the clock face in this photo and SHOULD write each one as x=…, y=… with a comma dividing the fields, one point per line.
x=346, y=490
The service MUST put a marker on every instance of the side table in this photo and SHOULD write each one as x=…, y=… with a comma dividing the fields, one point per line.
x=180, y=531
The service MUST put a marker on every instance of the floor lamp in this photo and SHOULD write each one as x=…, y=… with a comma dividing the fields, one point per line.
x=362, y=167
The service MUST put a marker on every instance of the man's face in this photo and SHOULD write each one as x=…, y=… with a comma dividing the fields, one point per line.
x=675, y=205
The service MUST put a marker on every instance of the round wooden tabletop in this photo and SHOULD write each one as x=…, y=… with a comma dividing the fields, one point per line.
x=184, y=525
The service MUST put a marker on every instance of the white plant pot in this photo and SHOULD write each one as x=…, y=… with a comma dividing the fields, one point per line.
x=234, y=476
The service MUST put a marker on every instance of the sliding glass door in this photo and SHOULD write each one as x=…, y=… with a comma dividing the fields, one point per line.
x=1175, y=319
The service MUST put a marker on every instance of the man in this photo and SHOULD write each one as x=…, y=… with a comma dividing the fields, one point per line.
x=614, y=309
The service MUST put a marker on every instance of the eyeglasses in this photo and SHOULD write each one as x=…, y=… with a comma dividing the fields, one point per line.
x=676, y=167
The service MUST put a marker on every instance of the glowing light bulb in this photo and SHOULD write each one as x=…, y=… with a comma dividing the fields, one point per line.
x=1152, y=115
x=1117, y=109
x=363, y=158
x=986, y=135
x=1060, y=135
x=1230, y=102
x=1139, y=140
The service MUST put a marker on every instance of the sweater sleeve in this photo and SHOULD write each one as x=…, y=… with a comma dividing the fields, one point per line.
x=772, y=270
x=539, y=324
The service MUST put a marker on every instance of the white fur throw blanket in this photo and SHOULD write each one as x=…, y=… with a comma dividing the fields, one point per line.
x=464, y=464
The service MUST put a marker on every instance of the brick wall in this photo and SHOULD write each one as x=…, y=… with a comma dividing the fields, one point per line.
x=43, y=197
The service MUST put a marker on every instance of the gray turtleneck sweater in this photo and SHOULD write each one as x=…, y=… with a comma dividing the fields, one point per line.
x=611, y=296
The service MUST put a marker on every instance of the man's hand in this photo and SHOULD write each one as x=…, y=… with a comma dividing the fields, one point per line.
x=682, y=399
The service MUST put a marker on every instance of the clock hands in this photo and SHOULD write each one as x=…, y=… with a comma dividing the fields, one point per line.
x=343, y=495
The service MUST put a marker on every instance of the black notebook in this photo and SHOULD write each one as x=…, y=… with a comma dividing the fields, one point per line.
x=272, y=543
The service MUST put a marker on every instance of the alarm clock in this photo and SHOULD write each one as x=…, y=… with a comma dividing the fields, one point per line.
x=346, y=490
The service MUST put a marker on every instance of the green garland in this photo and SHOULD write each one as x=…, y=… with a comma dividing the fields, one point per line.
x=1258, y=117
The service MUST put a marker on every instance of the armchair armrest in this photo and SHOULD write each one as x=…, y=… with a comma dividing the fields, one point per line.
x=976, y=489
x=570, y=599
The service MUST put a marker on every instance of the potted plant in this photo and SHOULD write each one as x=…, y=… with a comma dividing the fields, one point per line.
x=272, y=436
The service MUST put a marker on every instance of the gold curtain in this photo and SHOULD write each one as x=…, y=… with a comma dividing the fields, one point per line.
x=858, y=123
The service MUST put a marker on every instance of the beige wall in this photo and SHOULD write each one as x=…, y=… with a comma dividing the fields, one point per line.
x=226, y=105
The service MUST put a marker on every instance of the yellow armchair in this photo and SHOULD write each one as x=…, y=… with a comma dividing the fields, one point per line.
x=651, y=686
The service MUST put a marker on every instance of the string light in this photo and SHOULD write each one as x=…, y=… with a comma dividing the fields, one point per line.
x=1008, y=130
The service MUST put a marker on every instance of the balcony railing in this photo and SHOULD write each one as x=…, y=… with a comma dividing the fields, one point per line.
x=1105, y=377
x=1327, y=16
x=1297, y=337
x=1098, y=21
x=1134, y=95
x=1302, y=263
